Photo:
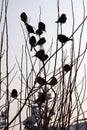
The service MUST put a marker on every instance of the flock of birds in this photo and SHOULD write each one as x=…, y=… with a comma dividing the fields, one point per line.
x=41, y=53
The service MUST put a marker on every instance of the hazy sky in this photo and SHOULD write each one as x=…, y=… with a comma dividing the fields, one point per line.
x=32, y=8
x=48, y=16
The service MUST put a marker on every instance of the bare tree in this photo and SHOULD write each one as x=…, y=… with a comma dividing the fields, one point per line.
x=49, y=97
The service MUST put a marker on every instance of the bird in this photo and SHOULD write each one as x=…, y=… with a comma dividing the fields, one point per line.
x=45, y=57
x=41, y=41
x=41, y=80
x=23, y=17
x=14, y=93
x=53, y=81
x=41, y=99
x=32, y=41
x=29, y=28
x=63, y=39
x=66, y=67
x=62, y=19
x=41, y=26
x=41, y=55
x=39, y=32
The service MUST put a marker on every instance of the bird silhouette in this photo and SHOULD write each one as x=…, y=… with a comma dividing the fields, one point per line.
x=45, y=57
x=39, y=32
x=63, y=38
x=14, y=93
x=66, y=67
x=41, y=26
x=53, y=81
x=41, y=80
x=41, y=41
x=62, y=19
x=41, y=99
x=29, y=28
x=32, y=41
x=23, y=17
x=41, y=55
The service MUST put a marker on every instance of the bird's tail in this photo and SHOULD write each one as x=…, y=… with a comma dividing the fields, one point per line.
x=31, y=48
x=56, y=21
x=71, y=39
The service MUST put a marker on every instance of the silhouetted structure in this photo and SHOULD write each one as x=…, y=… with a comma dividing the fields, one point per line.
x=41, y=55
x=29, y=28
x=41, y=80
x=41, y=41
x=32, y=41
x=66, y=67
x=41, y=99
x=53, y=81
x=41, y=26
x=24, y=17
x=14, y=93
x=63, y=38
x=62, y=19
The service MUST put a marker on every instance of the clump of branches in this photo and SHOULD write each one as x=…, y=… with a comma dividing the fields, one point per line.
x=49, y=97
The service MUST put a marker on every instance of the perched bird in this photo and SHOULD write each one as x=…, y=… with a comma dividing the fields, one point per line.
x=45, y=57
x=41, y=99
x=23, y=17
x=39, y=32
x=41, y=80
x=66, y=67
x=14, y=93
x=62, y=19
x=41, y=55
x=53, y=81
x=41, y=26
x=32, y=41
x=29, y=28
x=41, y=41
x=63, y=38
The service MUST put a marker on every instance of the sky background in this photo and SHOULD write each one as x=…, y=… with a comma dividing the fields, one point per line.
x=48, y=16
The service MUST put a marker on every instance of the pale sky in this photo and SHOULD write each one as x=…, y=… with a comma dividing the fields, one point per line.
x=48, y=16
